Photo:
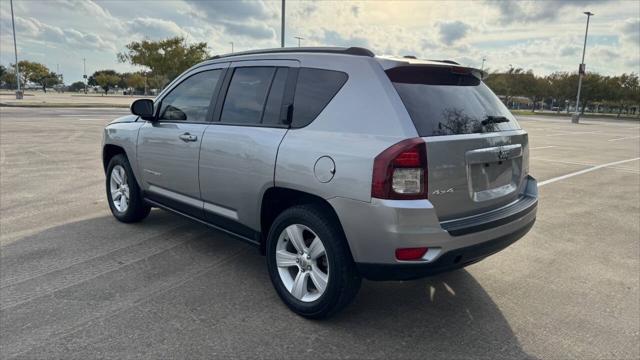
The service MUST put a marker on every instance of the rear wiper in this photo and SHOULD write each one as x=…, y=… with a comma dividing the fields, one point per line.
x=494, y=120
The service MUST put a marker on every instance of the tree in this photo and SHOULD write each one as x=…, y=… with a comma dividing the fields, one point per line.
x=38, y=74
x=166, y=59
x=8, y=80
x=76, y=86
x=3, y=70
x=106, y=79
x=135, y=81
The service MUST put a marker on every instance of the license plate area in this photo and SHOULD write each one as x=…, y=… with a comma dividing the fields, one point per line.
x=493, y=172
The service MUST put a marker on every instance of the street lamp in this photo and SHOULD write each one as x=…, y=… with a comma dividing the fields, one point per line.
x=282, y=26
x=231, y=42
x=15, y=49
x=575, y=118
x=299, y=38
x=84, y=77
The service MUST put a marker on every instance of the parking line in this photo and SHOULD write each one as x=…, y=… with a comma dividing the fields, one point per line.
x=624, y=138
x=593, y=168
x=573, y=133
x=542, y=147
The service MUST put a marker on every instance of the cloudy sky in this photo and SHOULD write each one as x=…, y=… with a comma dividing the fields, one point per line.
x=545, y=36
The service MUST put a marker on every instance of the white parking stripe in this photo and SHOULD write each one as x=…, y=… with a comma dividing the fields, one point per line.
x=624, y=138
x=573, y=133
x=542, y=183
x=542, y=147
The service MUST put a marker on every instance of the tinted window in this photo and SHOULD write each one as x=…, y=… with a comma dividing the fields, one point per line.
x=246, y=96
x=449, y=101
x=274, y=102
x=189, y=101
x=314, y=90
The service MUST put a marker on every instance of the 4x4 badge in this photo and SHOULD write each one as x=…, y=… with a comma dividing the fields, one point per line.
x=440, y=192
x=503, y=155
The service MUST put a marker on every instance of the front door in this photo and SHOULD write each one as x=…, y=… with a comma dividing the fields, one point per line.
x=169, y=148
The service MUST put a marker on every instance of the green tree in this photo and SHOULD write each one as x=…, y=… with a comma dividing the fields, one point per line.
x=38, y=74
x=135, y=81
x=8, y=79
x=166, y=59
x=77, y=86
x=626, y=91
x=106, y=79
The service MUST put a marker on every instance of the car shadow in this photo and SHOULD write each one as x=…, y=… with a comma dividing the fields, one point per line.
x=445, y=316
x=449, y=315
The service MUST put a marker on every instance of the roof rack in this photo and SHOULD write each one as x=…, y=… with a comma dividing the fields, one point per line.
x=358, y=51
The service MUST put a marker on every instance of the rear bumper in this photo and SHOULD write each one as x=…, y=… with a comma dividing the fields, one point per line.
x=374, y=230
x=449, y=261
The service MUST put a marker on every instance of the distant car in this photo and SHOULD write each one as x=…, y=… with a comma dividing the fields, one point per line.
x=335, y=163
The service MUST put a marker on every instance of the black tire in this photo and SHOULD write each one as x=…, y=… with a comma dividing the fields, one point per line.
x=137, y=210
x=343, y=280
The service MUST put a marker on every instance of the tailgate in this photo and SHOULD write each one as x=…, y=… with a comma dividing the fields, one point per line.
x=470, y=174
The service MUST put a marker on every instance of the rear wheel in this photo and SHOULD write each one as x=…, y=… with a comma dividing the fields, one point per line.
x=309, y=262
x=123, y=193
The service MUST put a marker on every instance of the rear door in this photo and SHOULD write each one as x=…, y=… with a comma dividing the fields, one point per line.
x=239, y=149
x=476, y=152
x=168, y=149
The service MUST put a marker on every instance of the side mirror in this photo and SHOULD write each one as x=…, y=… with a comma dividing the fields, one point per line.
x=144, y=109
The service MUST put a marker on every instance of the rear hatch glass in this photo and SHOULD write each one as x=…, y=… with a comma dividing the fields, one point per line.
x=449, y=101
x=481, y=168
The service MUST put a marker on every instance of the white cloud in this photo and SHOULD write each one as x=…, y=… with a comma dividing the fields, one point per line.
x=528, y=11
x=155, y=29
x=452, y=31
x=630, y=31
x=542, y=36
x=53, y=35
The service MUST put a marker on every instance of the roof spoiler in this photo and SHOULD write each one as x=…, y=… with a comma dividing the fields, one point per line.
x=356, y=51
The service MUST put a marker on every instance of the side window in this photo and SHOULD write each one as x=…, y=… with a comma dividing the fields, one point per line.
x=246, y=95
x=190, y=100
x=273, y=108
x=314, y=90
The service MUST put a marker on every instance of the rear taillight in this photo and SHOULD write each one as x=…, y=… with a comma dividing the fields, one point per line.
x=400, y=172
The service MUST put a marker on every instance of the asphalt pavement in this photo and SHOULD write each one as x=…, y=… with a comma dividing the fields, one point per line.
x=77, y=284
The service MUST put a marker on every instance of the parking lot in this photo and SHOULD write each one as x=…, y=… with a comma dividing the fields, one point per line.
x=77, y=284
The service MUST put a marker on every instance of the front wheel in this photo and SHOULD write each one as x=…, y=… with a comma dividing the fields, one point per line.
x=309, y=262
x=123, y=193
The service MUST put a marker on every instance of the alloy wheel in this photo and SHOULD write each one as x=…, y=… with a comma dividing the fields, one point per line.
x=302, y=262
x=119, y=188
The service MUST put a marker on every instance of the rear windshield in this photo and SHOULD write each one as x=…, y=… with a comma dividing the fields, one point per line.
x=449, y=101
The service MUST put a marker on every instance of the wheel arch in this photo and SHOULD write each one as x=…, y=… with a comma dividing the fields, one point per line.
x=277, y=199
x=109, y=151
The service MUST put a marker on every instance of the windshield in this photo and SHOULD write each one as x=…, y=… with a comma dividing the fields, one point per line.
x=449, y=101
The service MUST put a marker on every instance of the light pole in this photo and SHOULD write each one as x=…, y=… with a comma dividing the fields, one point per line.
x=84, y=70
x=231, y=42
x=482, y=67
x=299, y=38
x=575, y=118
x=282, y=27
x=15, y=49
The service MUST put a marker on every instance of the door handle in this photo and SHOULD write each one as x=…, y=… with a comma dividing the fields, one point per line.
x=188, y=137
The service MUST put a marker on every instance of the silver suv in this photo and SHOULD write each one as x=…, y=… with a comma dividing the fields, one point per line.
x=335, y=163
